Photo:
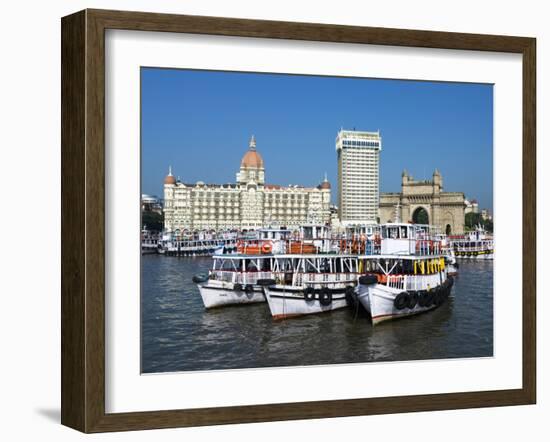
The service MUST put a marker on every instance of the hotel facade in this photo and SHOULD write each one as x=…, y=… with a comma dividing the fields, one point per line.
x=249, y=203
x=358, y=155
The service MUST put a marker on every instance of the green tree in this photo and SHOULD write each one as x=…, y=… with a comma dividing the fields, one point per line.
x=488, y=225
x=152, y=220
x=471, y=220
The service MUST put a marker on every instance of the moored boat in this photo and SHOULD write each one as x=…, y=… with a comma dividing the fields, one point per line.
x=233, y=279
x=150, y=241
x=410, y=276
x=197, y=244
x=314, y=284
x=477, y=244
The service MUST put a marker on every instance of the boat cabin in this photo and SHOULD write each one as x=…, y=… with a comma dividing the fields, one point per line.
x=362, y=231
x=274, y=234
x=408, y=239
x=314, y=231
x=398, y=238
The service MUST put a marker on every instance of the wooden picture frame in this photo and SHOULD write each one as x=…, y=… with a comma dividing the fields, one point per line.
x=83, y=220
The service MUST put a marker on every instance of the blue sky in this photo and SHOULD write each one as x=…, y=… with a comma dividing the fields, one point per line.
x=200, y=123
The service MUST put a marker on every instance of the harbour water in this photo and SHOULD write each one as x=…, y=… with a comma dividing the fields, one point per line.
x=178, y=334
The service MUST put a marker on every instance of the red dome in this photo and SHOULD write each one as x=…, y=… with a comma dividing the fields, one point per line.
x=170, y=179
x=252, y=159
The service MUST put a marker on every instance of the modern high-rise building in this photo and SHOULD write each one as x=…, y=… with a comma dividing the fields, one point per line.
x=358, y=176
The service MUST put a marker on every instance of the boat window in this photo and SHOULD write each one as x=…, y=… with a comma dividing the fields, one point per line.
x=403, y=232
x=227, y=265
x=251, y=265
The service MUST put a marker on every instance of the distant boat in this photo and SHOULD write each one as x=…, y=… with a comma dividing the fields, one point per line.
x=477, y=244
x=149, y=241
x=199, y=244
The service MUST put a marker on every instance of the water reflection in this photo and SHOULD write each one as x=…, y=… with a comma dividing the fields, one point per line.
x=178, y=334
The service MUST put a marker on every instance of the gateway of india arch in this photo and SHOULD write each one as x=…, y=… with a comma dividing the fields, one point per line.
x=425, y=202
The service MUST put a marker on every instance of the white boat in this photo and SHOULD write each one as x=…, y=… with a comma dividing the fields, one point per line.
x=264, y=256
x=313, y=284
x=150, y=241
x=477, y=244
x=197, y=244
x=244, y=279
x=217, y=293
x=410, y=276
x=233, y=279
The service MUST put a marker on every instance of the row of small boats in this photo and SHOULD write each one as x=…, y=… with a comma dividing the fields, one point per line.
x=473, y=245
x=395, y=270
x=203, y=243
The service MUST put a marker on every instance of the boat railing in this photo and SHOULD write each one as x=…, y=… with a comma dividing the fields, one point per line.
x=427, y=247
x=325, y=278
x=252, y=277
x=413, y=282
x=239, y=277
x=359, y=246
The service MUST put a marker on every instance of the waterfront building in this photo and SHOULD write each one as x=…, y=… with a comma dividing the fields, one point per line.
x=151, y=203
x=358, y=156
x=425, y=202
x=249, y=203
x=472, y=206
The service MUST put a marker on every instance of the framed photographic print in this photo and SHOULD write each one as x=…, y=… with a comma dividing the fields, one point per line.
x=270, y=220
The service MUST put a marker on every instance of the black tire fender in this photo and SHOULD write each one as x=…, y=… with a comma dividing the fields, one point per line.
x=368, y=279
x=413, y=300
x=422, y=298
x=401, y=301
x=325, y=297
x=429, y=298
x=309, y=294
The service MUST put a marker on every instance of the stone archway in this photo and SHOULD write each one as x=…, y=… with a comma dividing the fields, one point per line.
x=420, y=216
x=447, y=223
x=424, y=201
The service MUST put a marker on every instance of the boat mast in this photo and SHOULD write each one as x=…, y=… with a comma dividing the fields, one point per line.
x=397, y=213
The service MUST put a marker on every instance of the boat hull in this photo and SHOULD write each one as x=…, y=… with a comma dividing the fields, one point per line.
x=287, y=302
x=484, y=254
x=379, y=301
x=223, y=294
